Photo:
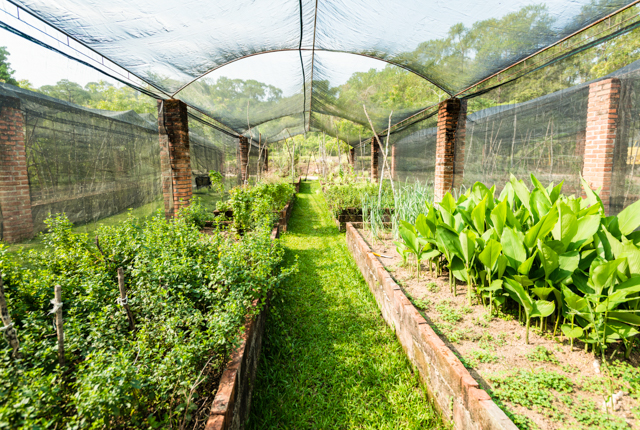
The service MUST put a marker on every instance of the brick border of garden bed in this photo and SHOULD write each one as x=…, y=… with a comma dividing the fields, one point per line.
x=456, y=394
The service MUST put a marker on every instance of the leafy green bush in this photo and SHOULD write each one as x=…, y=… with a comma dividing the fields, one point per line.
x=189, y=294
x=258, y=205
x=354, y=195
x=547, y=252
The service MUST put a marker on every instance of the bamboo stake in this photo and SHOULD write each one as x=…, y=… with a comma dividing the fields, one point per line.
x=123, y=301
x=57, y=311
x=8, y=330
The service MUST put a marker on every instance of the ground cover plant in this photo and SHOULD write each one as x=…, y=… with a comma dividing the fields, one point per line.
x=329, y=360
x=188, y=294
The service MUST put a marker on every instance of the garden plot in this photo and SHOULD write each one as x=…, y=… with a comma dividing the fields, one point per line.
x=545, y=384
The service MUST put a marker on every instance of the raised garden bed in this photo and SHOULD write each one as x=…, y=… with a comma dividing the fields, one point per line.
x=354, y=216
x=545, y=384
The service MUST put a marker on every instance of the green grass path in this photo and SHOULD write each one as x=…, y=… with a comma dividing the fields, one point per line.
x=329, y=361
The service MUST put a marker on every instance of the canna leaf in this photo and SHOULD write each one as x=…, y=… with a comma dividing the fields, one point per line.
x=568, y=263
x=489, y=256
x=567, y=225
x=555, y=192
x=422, y=227
x=459, y=270
x=587, y=227
x=625, y=317
x=467, y=245
x=541, y=228
x=571, y=333
x=521, y=191
x=549, y=259
x=495, y=285
x=629, y=218
x=513, y=248
x=525, y=267
x=542, y=308
x=499, y=216
x=448, y=203
x=478, y=215
x=517, y=293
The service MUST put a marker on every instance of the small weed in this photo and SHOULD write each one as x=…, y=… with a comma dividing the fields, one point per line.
x=588, y=414
x=466, y=310
x=485, y=341
x=592, y=384
x=569, y=368
x=540, y=353
x=448, y=313
x=474, y=358
x=482, y=322
x=433, y=287
x=422, y=303
x=530, y=389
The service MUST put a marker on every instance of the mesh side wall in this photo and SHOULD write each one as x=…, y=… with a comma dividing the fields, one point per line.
x=86, y=163
x=415, y=153
x=544, y=137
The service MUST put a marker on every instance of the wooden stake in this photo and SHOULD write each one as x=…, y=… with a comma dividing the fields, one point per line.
x=123, y=299
x=57, y=310
x=9, y=331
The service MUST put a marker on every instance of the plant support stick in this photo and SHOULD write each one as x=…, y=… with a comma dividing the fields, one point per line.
x=8, y=330
x=123, y=301
x=57, y=311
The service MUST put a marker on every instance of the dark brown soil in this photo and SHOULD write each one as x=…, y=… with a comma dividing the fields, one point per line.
x=494, y=346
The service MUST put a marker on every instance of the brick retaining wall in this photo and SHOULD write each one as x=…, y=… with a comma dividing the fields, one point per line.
x=449, y=383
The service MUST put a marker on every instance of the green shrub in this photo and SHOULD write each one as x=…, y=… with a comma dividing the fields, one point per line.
x=189, y=294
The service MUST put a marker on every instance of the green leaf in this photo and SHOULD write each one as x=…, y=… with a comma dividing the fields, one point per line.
x=521, y=191
x=478, y=216
x=458, y=270
x=629, y=218
x=542, y=292
x=567, y=225
x=592, y=197
x=587, y=227
x=603, y=275
x=495, y=285
x=625, y=317
x=513, y=248
x=422, y=226
x=568, y=263
x=517, y=293
x=571, y=333
x=448, y=203
x=542, y=228
x=536, y=183
x=499, y=216
x=489, y=256
x=542, y=308
x=467, y=245
x=549, y=259
x=449, y=243
x=525, y=267
x=555, y=192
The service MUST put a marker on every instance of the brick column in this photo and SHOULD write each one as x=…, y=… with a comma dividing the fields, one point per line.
x=393, y=161
x=449, y=113
x=602, y=121
x=243, y=158
x=460, y=139
x=175, y=159
x=15, y=198
x=352, y=157
x=375, y=150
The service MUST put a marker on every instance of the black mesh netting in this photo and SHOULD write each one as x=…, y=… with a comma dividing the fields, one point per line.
x=91, y=164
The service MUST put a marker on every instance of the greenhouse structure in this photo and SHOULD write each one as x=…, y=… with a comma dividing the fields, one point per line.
x=172, y=174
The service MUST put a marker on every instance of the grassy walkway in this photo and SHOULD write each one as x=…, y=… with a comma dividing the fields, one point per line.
x=329, y=361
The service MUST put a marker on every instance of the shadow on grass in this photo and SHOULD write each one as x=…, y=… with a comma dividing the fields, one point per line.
x=329, y=360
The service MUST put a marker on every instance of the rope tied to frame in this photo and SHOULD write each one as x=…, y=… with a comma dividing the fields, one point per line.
x=56, y=306
x=122, y=301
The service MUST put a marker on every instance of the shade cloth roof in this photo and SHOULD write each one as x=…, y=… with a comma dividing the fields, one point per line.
x=307, y=50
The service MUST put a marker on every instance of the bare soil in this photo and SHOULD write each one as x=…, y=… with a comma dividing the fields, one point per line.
x=494, y=347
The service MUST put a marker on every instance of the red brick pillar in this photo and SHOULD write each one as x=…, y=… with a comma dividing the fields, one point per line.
x=580, y=142
x=375, y=150
x=352, y=157
x=393, y=161
x=449, y=114
x=602, y=120
x=243, y=158
x=15, y=198
x=175, y=159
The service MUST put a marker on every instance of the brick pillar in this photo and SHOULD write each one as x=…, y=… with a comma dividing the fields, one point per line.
x=375, y=150
x=243, y=158
x=175, y=159
x=460, y=139
x=602, y=120
x=580, y=141
x=15, y=198
x=352, y=157
x=449, y=112
x=393, y=161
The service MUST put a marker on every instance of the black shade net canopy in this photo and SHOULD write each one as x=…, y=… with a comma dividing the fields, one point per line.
x=273, y=68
